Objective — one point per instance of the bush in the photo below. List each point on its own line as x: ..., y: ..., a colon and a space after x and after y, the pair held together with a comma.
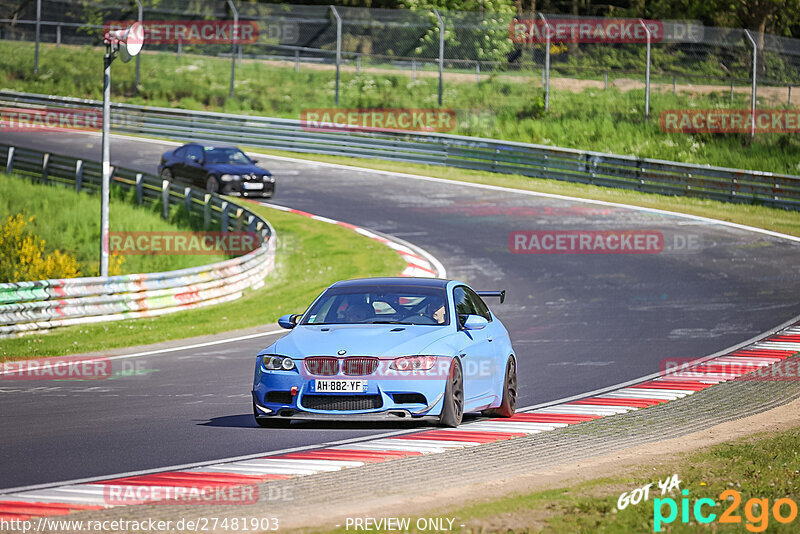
x: 22, y: 255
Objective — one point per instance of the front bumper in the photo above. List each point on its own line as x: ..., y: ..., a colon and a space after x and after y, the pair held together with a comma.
x: 238, y: 187
x: 399, y: 398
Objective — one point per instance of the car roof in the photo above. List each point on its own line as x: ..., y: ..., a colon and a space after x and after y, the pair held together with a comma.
x: 211, y: 145
x: 402, y: 281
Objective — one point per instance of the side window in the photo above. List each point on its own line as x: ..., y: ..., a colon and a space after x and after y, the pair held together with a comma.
x: 464, y: 304
x: 194, y: 153
x: 480, y: 306
x: 180, y: 153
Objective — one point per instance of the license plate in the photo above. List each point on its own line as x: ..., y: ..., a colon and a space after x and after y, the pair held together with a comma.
x: 340, y: 386
x: 253, y: 185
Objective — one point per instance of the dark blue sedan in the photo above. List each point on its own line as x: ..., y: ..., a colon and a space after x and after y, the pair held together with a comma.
x: 217, y: 169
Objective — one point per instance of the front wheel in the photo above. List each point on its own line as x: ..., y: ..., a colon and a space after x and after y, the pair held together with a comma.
x: 212, y: 185
x: 509, y: 404
x: 453, y: 409
x: 166, y: 174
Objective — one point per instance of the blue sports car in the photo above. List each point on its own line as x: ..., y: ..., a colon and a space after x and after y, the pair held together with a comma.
x: 387, y: 348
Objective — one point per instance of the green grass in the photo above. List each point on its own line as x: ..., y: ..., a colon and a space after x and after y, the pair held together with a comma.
x: 498, y: 106
x: 311, y: 256
x: 774, y: 219
x: 765, y: 466
x: 70, y: 222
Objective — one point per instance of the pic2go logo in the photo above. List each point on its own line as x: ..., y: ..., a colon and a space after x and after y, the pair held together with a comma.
x: 756, y: 511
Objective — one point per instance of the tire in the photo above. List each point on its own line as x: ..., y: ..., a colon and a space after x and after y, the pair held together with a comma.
x: 453, y: 409
x: 270, y: 422
x: 166, y: 174
x: 212, y: 184
x: 509, y: 404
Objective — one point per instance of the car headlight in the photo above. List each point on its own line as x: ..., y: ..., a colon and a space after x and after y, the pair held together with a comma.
x: 413, y: 363
x: 229, y: 177
x: 270, y: 362
x: 268, y: 178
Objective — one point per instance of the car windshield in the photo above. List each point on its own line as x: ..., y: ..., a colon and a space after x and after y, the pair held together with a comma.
x: 380, y: 305
x: 226, y: 155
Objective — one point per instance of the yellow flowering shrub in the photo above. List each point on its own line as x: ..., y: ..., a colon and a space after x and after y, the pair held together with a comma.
x: 23, y: 257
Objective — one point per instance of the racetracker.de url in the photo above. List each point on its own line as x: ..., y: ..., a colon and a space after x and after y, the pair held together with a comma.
x: 198, y: 524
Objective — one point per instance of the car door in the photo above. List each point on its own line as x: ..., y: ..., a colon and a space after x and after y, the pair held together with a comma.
x: 476, y: 351
x: 194, y: 172
x: 177, y: 163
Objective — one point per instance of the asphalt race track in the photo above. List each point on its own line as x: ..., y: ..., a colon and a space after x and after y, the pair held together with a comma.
x: 578, y: 321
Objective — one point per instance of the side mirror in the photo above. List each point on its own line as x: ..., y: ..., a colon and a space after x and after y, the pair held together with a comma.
x: 289, y: 321
x: 254, y: 161
x: 475, y: 322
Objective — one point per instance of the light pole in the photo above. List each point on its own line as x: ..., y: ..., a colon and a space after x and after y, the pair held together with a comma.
x: 126, y: 44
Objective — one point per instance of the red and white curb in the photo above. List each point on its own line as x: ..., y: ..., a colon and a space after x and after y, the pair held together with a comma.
x: 419, y: 262
x: 64, y: 499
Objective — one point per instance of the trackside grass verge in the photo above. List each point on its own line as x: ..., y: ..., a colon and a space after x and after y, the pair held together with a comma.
x: 777, y: 220
x: 311, y: 256
x: 762, y: 466
x: 70, y: 222
x: 592, y: 119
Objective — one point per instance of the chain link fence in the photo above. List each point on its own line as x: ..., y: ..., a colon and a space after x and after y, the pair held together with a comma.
x: 528, y: 58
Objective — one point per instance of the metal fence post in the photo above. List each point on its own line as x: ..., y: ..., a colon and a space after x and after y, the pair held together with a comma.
x: 478, y: 71
x: 10, y: 159
x: 338, y: 50
x: 45, y: 165
x: 546, y: 63
x: 187, y: 197
x: 790, y: 96
x: 413, y: 70
x: 605, y: 78
x: 138, y: 56
x: 233, y: 44
x: 755, y: 82
x: 441, y: 53
x: 58, y: 36
x: 358, y: 64
x: 297, y: 60
x: 78, y: 175
x: 38, y: 34
x: 674, y: 84
x: 225, y: 218
x: 647, y: 73
x: 180, y: 42
x: 206, y: 211
x: 165, y: 199
x: 139, y: 190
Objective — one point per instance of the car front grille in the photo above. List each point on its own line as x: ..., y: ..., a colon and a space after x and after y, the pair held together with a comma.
x: 357, y: 366
x: 322, y: 365
x: 342, y: 402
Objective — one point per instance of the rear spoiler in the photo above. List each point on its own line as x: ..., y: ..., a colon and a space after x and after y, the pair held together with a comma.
x: 499, y: 294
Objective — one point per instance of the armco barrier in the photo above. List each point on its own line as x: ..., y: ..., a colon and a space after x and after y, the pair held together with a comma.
x: 44, y: 304
x: 641, y: 174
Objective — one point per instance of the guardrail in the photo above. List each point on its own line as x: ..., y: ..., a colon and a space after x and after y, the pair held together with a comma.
x: 45, y: 304
x: 538, y: 161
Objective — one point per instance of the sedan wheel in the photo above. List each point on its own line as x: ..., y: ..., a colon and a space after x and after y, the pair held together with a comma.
x: 509, y: 404
x: 166, y: 174
x: 453, y: 409
x: 212, y: 185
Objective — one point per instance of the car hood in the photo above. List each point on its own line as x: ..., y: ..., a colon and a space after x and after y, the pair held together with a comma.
x: 229, y: 168
x: 358, y: 340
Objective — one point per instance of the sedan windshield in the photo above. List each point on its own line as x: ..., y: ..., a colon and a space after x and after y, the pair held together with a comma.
x: 380, y: 305
x: 226, y: 155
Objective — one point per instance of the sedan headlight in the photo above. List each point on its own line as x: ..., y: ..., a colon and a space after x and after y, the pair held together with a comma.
x: 230, y: 177
x: 413, y: 363
x: 270, y: 362
x: 268, y: 178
